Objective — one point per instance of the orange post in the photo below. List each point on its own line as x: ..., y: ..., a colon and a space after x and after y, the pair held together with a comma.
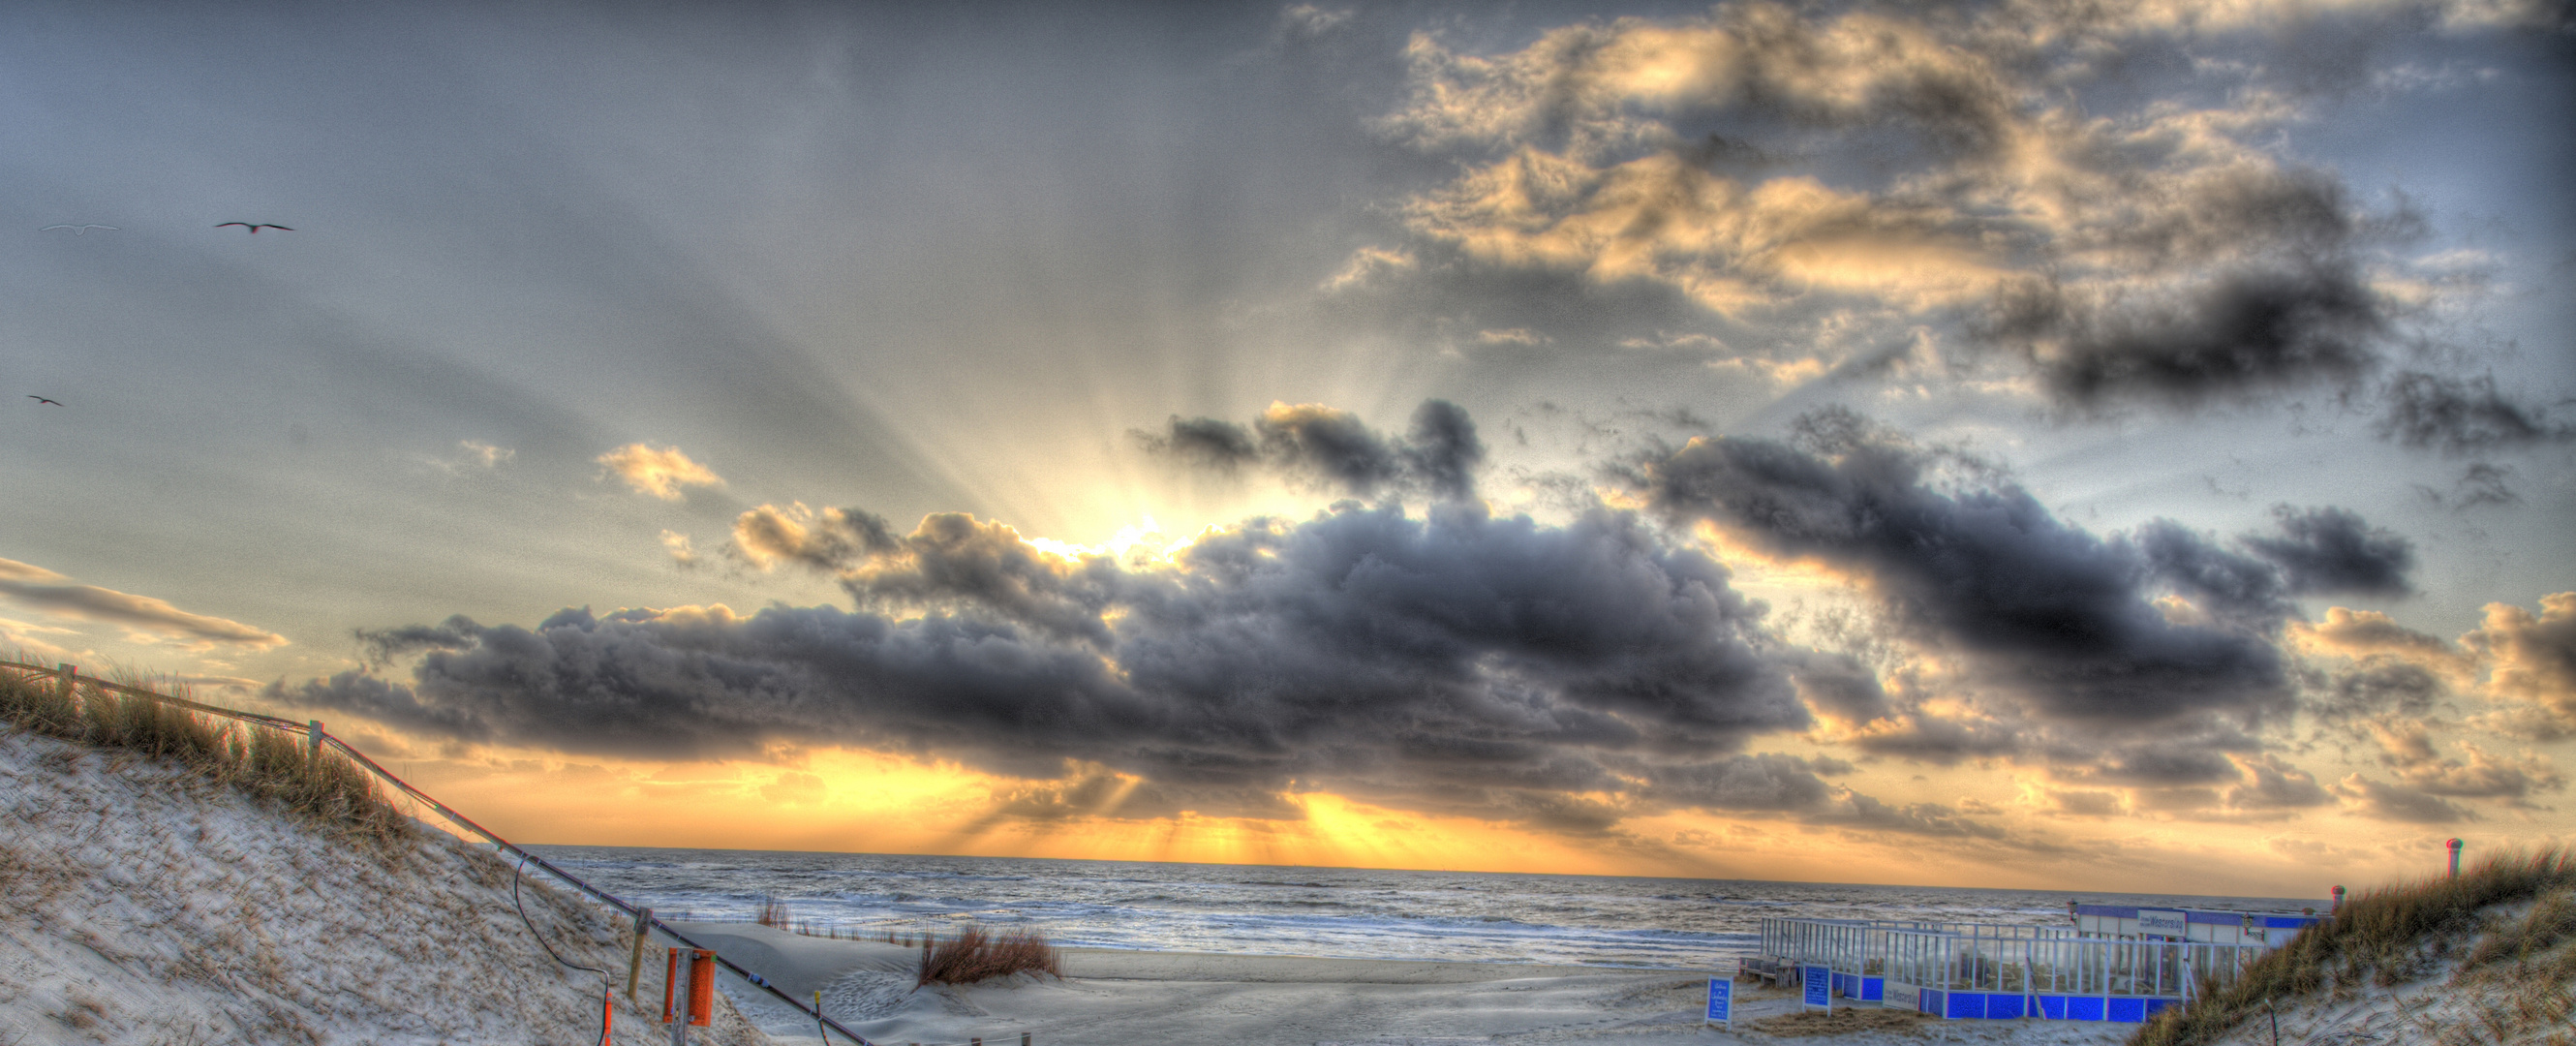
x: 607, y: 1012
x: 671, y: 989
x: 702, y: 988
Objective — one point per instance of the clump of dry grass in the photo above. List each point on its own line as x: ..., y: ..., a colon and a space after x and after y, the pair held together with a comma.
x: 2540, y: 937
x: 831, y: 931
x: 1842, y: 1021
x: 773, y: 912
x: 977, y: 954
x: 263, y: 760
x: 2394, y: 934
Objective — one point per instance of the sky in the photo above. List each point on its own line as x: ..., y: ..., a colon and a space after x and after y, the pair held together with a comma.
x: 2035, y: 444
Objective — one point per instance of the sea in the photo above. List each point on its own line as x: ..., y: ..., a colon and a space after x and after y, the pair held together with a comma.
x: 1360, y: 913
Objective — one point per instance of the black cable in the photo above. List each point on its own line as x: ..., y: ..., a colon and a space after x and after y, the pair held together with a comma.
x: 604, y: 976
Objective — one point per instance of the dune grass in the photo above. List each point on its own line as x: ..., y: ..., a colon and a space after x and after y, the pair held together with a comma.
x: 976, y: 954
x: 773, y: 912
x: 263, y: 760
x: 2398, y: 933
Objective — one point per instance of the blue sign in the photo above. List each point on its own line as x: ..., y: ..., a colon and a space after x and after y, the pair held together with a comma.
x: 1721, y: 999
x: 1819, y: 983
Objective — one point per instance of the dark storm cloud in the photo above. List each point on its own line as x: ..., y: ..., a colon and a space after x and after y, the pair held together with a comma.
x: 1976, y: 564
x: 2160, y: 765
x: 1111, y: 796
x: 2237, y: 588
x: 1334, y: 449
x: 2253, y: 332
x: 1205, y: 442
x: 383, y: 646
x: 2459, y: 416
x: 1946, y: 741
x: 1457, y: 661
x: 2407, y: 747
x: 2378, y: 687
x: 1443, y: 450
x: 1752, y: 782
x: 2395, y: 802
x: 1838, y: 685
x: 1931, y: 819
x: 2331, y: 550
x: 2270, y: 784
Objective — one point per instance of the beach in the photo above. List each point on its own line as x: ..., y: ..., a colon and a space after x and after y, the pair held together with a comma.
x: 1145, y: 998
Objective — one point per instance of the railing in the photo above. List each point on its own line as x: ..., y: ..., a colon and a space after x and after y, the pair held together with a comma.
x: 71, y: 680
x: 2065, y: 965
x: 1860, y: 946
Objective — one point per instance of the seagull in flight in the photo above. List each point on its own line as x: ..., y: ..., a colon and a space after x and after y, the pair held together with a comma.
x: 255, y: 228
x: 41, y: 401
x: 78, y: 230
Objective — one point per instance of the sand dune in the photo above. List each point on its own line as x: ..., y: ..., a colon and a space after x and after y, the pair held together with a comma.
x: 146, y: 904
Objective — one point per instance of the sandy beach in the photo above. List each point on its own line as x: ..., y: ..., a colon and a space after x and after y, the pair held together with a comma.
x: 1131, y: 998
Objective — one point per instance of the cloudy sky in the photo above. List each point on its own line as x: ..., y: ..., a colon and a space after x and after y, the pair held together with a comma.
x: 2032, y: 443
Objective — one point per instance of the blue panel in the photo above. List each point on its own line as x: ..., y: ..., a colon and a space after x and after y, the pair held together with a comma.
x: 2084, y: 1007
x: 2001, y: 1007
x: 1966, y: 1006
x: 2219, y: 918
x: 2110, y: 911
x: 2156, y: 1006
x: 2292, y: 922
x: 2127, y: 1011
x: 1931, y: 1001
x: 1873, y: 989
x: 2052, y: 1007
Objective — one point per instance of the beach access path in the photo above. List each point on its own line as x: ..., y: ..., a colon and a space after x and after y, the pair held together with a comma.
x: 1133, y: 998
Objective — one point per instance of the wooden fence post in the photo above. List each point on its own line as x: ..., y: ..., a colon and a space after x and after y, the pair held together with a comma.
x: 313, y: 740
x: 68, y: 673
x: 635, y: 958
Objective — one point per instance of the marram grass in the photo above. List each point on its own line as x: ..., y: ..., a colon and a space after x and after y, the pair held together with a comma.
x: 262, y: 760
x: 2394, y: 934
x: 976, y: 954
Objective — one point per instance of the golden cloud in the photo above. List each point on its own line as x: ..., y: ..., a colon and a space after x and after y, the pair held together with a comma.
x: 2523, y: 661
x: 658, y: 471
x: 2532, y: 664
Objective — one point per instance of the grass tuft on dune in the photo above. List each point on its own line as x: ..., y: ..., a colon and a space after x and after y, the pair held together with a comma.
x: 262, y: 760
x: 977, y: 954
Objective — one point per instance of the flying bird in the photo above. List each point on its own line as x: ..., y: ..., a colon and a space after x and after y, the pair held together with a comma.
x: 254, y: 229
x: 78, y: 230
x: 41, y: 401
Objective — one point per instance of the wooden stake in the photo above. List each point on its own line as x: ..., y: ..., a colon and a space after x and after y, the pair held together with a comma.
x: 635, y: 956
